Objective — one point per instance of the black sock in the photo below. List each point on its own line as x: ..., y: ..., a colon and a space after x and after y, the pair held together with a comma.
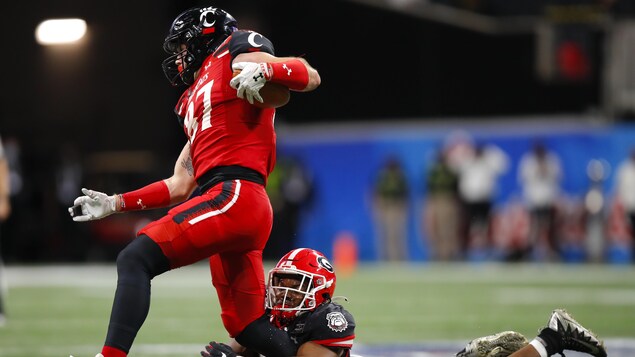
x: 552, y: 341
x: 137, y: 264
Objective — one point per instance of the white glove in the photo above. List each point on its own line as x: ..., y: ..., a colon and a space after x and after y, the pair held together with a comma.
x: 94, y: 205
x: 250, y: 80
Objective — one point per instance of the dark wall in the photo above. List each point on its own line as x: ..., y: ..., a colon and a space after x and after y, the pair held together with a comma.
x: 378, y: 64
x: 374, y: 64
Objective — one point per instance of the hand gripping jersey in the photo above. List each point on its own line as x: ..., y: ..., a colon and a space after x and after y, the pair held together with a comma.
x: 329, y: 325
x: 223, y: 129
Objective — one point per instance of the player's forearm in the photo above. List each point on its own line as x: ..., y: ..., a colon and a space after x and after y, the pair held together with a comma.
x: 164, y: 193
x: 154, y: 195
x: 314, y: 77
x: 307, y: 75
x: 294, y: 72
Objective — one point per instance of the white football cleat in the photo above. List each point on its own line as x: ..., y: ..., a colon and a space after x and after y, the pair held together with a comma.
x: 574, y: 336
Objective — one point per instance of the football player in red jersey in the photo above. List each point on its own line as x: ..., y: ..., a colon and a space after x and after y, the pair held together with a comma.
x: 300, y: 302
x: 229, y: 153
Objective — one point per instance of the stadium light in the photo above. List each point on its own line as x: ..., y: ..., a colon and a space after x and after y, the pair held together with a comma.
x: 60, y: 31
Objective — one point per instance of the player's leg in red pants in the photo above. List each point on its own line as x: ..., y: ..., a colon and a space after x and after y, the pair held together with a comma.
x: 232, y: 221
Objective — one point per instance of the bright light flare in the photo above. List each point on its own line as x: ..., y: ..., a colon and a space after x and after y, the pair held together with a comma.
x: 60, y: 31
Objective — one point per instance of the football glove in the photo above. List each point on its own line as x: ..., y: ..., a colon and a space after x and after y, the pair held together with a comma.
x: 215, y: 349
x: 250, y: 80
x: 94, y: 205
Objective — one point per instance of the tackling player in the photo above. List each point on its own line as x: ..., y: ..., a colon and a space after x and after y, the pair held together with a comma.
x: 229, y: 153
x: 300, y: 302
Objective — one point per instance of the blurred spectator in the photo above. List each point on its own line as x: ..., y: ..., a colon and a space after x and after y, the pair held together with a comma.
x: 68, y: 181
x: 571, y: 222
x: 5, y: 201
x: 391, y: 210
x: 458, y: 148
x: 595, y: 211
x: 510, y: 228
x: 18, y: 232
x: 5, y: 211
x: 539, y: 174
x: 618, y: 231
x: 625, y: 192
x: 442, y: 212
x: 478, y: 184
x: 290, y: 190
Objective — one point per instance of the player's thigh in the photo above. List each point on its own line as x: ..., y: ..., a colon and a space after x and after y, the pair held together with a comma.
x: 231, y: 217
x: 243, y: 270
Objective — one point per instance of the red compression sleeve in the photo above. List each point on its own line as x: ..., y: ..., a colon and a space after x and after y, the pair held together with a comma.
x: 292, y: 74
x: 154, y: 195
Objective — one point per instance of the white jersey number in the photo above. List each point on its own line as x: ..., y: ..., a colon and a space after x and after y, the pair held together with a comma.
x: 190, y: 121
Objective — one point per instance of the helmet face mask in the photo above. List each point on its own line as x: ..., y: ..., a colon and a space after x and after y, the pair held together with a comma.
x: 297, y: 296
x: 301, y: 281
x: 194, y: 35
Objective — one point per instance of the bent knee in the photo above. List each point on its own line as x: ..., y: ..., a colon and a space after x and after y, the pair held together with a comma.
x: 142, y: 255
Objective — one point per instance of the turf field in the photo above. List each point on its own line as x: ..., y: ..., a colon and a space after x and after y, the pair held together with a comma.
x: 401, y: 310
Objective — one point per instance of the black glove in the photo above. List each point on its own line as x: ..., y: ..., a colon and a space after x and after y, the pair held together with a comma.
x: 215, y: 349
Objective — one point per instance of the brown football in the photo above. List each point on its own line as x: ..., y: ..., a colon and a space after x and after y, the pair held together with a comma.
x: 273, y: 95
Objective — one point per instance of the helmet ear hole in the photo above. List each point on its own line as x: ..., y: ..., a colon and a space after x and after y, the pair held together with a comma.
x: 326, y: 296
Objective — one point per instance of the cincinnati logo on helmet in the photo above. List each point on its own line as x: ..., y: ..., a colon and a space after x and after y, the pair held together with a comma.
x: 336, y: 321
x: 206, y: 15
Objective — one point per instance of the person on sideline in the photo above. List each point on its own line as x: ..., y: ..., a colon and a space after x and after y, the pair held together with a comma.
x: 5, y: 211
x: 390, y: 203
x: 540, y: 174
x: 625, y: 189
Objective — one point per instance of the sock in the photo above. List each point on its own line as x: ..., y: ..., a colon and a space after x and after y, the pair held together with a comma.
x: 551, y: 340
x: 108, y: 351
x: 539, y: 347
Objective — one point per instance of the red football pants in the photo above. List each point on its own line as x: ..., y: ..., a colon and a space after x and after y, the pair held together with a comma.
x: 230, y: 224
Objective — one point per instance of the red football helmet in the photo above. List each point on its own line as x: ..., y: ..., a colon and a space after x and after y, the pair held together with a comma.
x: 301, y: 281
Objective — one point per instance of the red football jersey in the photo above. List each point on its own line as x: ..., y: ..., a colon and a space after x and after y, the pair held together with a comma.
x: 223, y: 129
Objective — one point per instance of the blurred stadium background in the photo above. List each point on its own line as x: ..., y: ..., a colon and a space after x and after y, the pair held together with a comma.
x: 400, y: 77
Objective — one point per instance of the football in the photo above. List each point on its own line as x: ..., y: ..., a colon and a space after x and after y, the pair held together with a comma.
x: 273, y: 95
